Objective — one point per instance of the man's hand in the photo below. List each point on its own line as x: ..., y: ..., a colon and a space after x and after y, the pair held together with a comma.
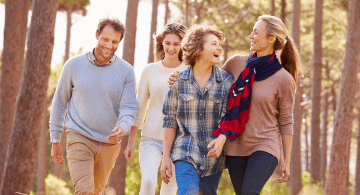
x: 172, y: 78
x: 285, y: 172
x: 116, y: 136
x: 129, y: 151
x: 218, y: 144
x: 56, y: 154
x: 166, y: 172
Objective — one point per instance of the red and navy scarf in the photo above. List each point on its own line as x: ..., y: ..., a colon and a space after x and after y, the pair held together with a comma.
x: 233, y: 123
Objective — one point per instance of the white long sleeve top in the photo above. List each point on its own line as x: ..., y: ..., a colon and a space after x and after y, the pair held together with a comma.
x: 152, y: 89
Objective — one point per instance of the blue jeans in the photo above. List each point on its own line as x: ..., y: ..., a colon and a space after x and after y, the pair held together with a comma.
x: 249, y: 174
x: 190, y: 183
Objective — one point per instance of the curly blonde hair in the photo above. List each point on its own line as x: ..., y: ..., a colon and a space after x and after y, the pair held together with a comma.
x: 171, y: 28
x: 193, y: 43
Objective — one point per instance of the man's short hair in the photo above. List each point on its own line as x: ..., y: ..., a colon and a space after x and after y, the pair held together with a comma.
x: 117, y: 25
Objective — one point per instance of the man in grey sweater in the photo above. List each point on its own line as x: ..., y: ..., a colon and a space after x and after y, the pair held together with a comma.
x: 96, y: 93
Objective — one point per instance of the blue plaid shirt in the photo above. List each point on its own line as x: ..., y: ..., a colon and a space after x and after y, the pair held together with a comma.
x: 196, y: 113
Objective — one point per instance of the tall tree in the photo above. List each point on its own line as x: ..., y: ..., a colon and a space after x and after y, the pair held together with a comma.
x: 16, y: 17
x: 326, y: 103
x: 198, y: 7
x: 22, y: 152
x: 273, y: 7
x: 295, y: 177
x: 155, y: 4
x: 283, y: 11
x: 118, y: 175
x: 316, y: 90
x: 357, y: 174
x: 41, y: 170
x: 167, y: 12
x: 339, y: 157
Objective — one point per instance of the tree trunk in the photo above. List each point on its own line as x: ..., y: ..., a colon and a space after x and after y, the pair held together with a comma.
x: 307, y: 166
x: 316, y: 90
x: 273, y: 7
x: 198, y: 7
x: 68, y: 30
x: 283, y: 11
x: 357, y: 174
x: 339, y: 158
x: 167, y: 12
x: 323, y: 157
x: 41, y: 171
x: 295, y: 177
x: 118, y: 175
x: 187, y: 13
x: 226, y: 50
x: 16, y: 17
x: 155, y: 4
x: 22, y: 152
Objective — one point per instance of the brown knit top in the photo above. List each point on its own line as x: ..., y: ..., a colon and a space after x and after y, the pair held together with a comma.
x: 271, y: 112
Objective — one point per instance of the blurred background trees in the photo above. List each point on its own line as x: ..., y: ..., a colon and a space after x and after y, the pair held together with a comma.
x: 326, y: 114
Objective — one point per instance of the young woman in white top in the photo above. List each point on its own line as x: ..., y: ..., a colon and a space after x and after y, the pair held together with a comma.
x: 151, y: 92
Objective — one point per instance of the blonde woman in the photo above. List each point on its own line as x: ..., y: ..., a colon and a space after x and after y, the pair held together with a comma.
x: 151, y: 92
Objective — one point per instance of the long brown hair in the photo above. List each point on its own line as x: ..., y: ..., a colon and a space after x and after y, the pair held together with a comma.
x: 171, y: 28
x: 289, y: 56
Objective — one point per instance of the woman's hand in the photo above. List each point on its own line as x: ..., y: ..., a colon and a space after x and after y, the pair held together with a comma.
x: 129, y: 151
x: 218, y: 144
x: 285, y: 172
x: 172, y: 78
x: 166, y: 172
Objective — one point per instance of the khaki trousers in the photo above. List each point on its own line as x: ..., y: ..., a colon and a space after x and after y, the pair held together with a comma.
x: 90, y: 163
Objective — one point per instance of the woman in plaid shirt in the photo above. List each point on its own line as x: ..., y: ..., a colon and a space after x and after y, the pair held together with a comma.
x: 192, y: 110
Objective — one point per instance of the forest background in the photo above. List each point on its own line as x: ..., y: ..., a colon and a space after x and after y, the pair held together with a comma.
x: 326, y: 114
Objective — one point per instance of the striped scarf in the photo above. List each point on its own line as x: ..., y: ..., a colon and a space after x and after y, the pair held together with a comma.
x: 237, y: 113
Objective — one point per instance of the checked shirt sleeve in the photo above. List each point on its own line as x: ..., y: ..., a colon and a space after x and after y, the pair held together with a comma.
x: 170, y: 106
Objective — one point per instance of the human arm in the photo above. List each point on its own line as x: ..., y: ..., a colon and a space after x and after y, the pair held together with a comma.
x: 286, y: 95
x: 285, y: 166
x: 235, y: 65
x: 60, y: 102
x: 170, y: 125
x: 169, y: 137
x: 128, y: 103
x: 130, y: 147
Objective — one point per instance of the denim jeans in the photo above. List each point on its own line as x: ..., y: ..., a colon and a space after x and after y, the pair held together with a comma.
x: 249, y: 174
x: 190, y: 183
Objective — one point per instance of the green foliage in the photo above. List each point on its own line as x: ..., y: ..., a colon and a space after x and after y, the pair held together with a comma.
x: 74, y: 6
x: 56, y: 186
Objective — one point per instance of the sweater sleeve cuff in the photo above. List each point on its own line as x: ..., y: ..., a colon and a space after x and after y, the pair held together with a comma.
x: 125, y: 128
x: 55, y: 136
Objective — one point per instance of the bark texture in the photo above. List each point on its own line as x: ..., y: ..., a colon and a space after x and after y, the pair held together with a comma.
x: 316, y: 90
x: 283, y: 11
x: 118, y: 175
x: 16, y: 17
x: 295, y: 168
x: 339, y: 158
x: 21, y: 157
x: 324, y: 148
x: 41, y: 170
x: 357, y: 173
x: 155, y: 4
x: 167, y: 12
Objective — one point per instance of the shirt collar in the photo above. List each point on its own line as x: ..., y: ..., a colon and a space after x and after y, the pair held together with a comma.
x: 188, y: 74
x: 92, y: 59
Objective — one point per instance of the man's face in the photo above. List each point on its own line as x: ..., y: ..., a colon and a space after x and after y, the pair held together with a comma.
x: 108, y: 42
